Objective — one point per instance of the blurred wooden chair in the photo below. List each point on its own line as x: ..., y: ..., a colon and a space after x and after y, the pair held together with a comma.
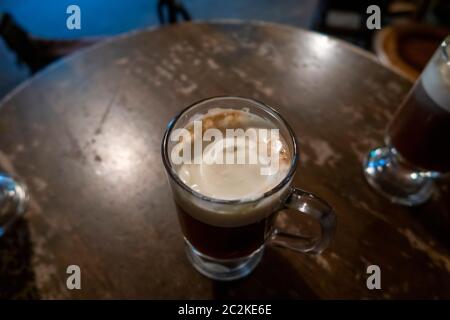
x: 391, y: 10
x: 35, y: 52
x: 349, y: 21
x: 407, y: 44
x: 407, y: 47
x: 170, y: 10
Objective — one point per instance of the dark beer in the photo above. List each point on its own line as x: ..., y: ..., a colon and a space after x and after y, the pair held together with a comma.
x: 225, y: 242
x: 420, y: 130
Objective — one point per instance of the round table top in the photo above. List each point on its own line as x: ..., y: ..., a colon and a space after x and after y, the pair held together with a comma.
x: 85, y: 135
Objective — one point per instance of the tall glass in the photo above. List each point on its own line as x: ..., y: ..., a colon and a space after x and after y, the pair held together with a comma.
x: 417, y: 139
x: 225, y: 249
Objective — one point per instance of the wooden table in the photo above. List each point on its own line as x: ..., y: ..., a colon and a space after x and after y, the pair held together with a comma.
x: 85, y: 135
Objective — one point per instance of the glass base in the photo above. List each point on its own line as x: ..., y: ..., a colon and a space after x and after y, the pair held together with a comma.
x: 223, y: 270
x: 13, y: 201
x: 396, y: 181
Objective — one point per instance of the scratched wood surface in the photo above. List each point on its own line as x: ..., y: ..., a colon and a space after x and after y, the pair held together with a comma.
x: 85, y: 135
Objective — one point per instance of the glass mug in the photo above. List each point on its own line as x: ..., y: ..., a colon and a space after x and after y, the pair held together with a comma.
x: 13, y: 201
x: 220, y: 249
x: 417, y: 139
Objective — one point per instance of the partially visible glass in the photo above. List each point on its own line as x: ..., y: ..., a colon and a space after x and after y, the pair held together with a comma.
x: 221, y: 249
x: 13, y: 201
x: 418, y: 138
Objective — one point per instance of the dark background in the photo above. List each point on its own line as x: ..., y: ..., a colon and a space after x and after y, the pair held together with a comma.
x: 47, y: 19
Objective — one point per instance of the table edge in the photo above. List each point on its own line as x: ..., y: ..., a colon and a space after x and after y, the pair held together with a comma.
x: 21, y: 86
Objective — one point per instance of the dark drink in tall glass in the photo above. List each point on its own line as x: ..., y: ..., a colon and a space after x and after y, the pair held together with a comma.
x: 420, y: 131
x: 418, y: 138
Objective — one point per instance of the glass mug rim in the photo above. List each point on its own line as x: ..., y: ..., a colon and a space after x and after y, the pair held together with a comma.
x: 173, y: 174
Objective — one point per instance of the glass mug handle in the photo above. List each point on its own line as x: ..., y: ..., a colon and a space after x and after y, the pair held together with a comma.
x: 308, y: 204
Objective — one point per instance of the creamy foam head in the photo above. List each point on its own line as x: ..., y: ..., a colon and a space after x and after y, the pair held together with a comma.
x: 237, y: 181
x: 230, y: 181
